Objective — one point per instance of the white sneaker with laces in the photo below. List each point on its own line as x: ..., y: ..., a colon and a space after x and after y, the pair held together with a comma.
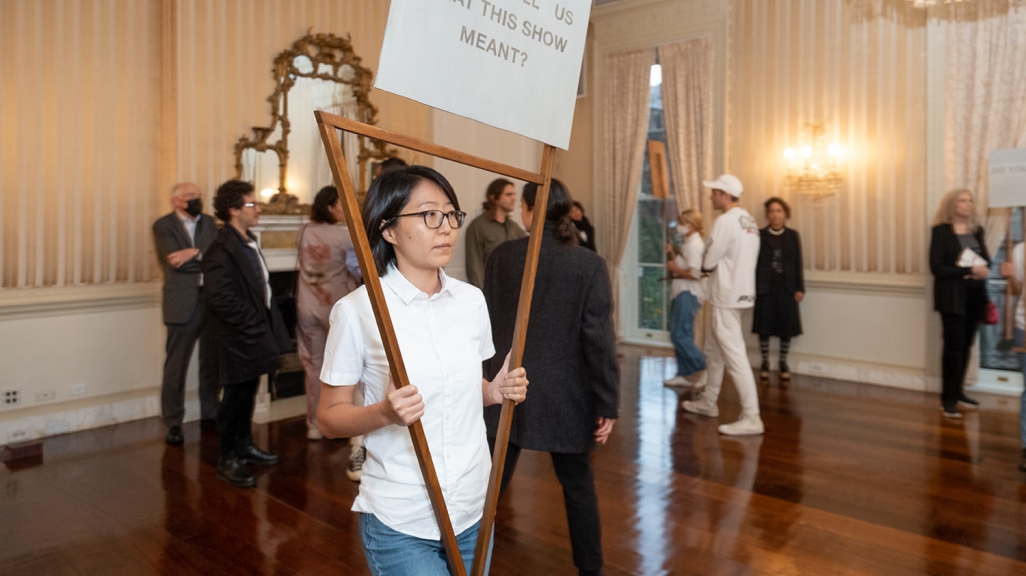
x: 356, y: 460
x: 677, y: 381
x: 701, y: 406
x: 746, y: 426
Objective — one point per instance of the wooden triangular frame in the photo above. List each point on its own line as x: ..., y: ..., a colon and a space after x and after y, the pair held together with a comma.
x: 328, y: 124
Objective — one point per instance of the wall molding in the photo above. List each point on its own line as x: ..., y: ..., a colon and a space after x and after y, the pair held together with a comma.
x: 57, y: 301
x: 866, y: 282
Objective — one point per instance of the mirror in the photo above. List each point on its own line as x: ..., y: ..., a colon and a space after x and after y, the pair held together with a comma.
x: 285, y: 161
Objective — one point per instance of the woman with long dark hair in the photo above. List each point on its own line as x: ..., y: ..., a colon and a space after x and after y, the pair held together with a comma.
x: 412, y: 217
x: 327, y: 270
x: 959, y: 292
x: 571, y: 354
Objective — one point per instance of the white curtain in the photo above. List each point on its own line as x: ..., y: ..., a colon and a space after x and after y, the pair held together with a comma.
x: 985, y: 82
x: 626, y: 123
x: 688, y: 113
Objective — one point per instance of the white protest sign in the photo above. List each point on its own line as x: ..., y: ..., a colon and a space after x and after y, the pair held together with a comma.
x: 512, y: 64
x: 1007, y: 178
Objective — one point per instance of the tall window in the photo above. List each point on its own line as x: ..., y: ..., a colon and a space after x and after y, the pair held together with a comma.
x: 654, y: 221
x: 992, y: 355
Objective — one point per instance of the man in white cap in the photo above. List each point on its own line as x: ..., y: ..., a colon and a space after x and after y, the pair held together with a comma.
x: 730, y: 256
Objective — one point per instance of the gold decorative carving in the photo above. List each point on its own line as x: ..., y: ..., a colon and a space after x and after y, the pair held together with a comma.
x: 324, y: 51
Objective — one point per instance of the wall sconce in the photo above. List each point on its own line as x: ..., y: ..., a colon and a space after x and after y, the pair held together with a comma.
x: 814, y: 168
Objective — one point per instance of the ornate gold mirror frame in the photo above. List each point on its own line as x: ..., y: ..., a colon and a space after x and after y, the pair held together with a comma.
x: 333, y: 59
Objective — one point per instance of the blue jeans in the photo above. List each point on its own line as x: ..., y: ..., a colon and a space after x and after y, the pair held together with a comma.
x: 682, y: 333
x: 392, y: 553
x: 1020, y: 337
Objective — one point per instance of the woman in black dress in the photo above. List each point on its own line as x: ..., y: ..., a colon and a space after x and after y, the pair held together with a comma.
x: 959, y: 292
x: 779, y: 286
x: 585, y: 231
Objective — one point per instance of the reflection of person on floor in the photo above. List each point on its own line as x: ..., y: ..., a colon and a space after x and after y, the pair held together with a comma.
x: 572, y: 349
x: 780, y: 286
x: 441, y: 325
x: 730, y: 255
x: 687, y: 294
x: 1013, y: 272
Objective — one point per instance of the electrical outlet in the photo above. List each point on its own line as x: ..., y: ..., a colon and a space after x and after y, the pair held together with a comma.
x: 11, y: 398
x: 46, y: 395
x: 78, y: 389
x: 17, y: 436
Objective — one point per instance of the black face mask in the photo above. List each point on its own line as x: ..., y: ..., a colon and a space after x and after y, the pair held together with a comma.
x: 194, y: 207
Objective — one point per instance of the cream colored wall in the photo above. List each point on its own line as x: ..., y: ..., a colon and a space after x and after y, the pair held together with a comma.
x: 104, y: 105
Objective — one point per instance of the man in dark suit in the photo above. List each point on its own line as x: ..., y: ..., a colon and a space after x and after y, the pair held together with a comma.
x: 182, y: 237
x: 248, y: 327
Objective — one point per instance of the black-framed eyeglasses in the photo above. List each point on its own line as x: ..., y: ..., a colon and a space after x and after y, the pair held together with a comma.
x: 433, y: 218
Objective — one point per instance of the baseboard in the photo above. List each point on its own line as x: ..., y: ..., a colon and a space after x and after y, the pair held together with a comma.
x: 856, y: 371
x: 33, y: 424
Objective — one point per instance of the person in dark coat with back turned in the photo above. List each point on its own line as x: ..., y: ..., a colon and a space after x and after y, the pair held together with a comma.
x: 250, y: 331
x: 571, y: 348
x: 779, y: 286
x: 959, y: 292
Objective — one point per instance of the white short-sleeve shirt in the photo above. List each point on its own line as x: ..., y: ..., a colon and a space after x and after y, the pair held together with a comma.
x: 443, y: 339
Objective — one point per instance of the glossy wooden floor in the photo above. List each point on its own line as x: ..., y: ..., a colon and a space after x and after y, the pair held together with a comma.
x: 849, y: 479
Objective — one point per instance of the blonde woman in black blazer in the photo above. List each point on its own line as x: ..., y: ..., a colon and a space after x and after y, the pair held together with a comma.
x: 959, y: 293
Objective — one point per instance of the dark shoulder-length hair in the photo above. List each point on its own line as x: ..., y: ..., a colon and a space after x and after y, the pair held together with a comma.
x: 557, y: 211
x: 388, y: 195
x: 325, y: 199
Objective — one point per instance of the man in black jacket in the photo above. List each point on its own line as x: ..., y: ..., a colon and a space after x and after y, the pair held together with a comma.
x: 182, y: 237
x: 250, y: 331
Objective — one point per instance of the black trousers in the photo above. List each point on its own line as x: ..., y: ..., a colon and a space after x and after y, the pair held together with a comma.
x: 959, y: 332
x: 181, y: 338
x: 235, y: 417
x: 582, y: 515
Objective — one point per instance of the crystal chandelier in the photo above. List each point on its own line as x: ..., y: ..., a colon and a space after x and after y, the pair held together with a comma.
x: 814, y: 168
x: 928, y: 3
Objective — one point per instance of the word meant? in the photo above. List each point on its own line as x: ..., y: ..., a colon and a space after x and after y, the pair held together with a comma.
x: 491, y: 11
x: 500, y: 49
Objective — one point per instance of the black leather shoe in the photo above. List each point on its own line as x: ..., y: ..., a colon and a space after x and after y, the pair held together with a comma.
x: 174, y: 436
x: 233, y: 472
x: 253, y: 455
x: 967, y: 402
x: 1022, y: 462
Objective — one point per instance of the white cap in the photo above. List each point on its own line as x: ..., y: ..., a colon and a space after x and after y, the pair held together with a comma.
x: 726, y: 182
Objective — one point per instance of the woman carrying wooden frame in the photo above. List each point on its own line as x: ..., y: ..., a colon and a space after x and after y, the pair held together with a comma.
x: 413, y: 214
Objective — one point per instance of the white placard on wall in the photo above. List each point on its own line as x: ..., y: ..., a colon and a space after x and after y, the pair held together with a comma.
x: 512, y: 64
x: 1006, y: 180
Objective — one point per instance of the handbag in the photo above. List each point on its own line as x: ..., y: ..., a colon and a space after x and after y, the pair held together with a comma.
x: 990, y: 313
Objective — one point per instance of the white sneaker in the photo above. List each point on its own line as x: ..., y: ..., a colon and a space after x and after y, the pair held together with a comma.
x: 746, y: 426
x: 356, y: 460
x: 312, y: 433
x: 701, y: 406
x: 677, y: 381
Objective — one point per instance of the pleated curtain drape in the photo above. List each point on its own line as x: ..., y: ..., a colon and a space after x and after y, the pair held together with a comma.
x: 626, y: 123
x: 688, y: 114
x: 985, y: 81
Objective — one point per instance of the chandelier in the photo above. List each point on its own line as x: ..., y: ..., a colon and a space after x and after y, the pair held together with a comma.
x: 929, y: 3
x: 814, y: 168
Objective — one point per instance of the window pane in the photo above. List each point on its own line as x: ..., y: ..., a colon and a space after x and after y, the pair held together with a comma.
x: 990, y: 356
x: 651, y: 298
x: 651, y: 232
